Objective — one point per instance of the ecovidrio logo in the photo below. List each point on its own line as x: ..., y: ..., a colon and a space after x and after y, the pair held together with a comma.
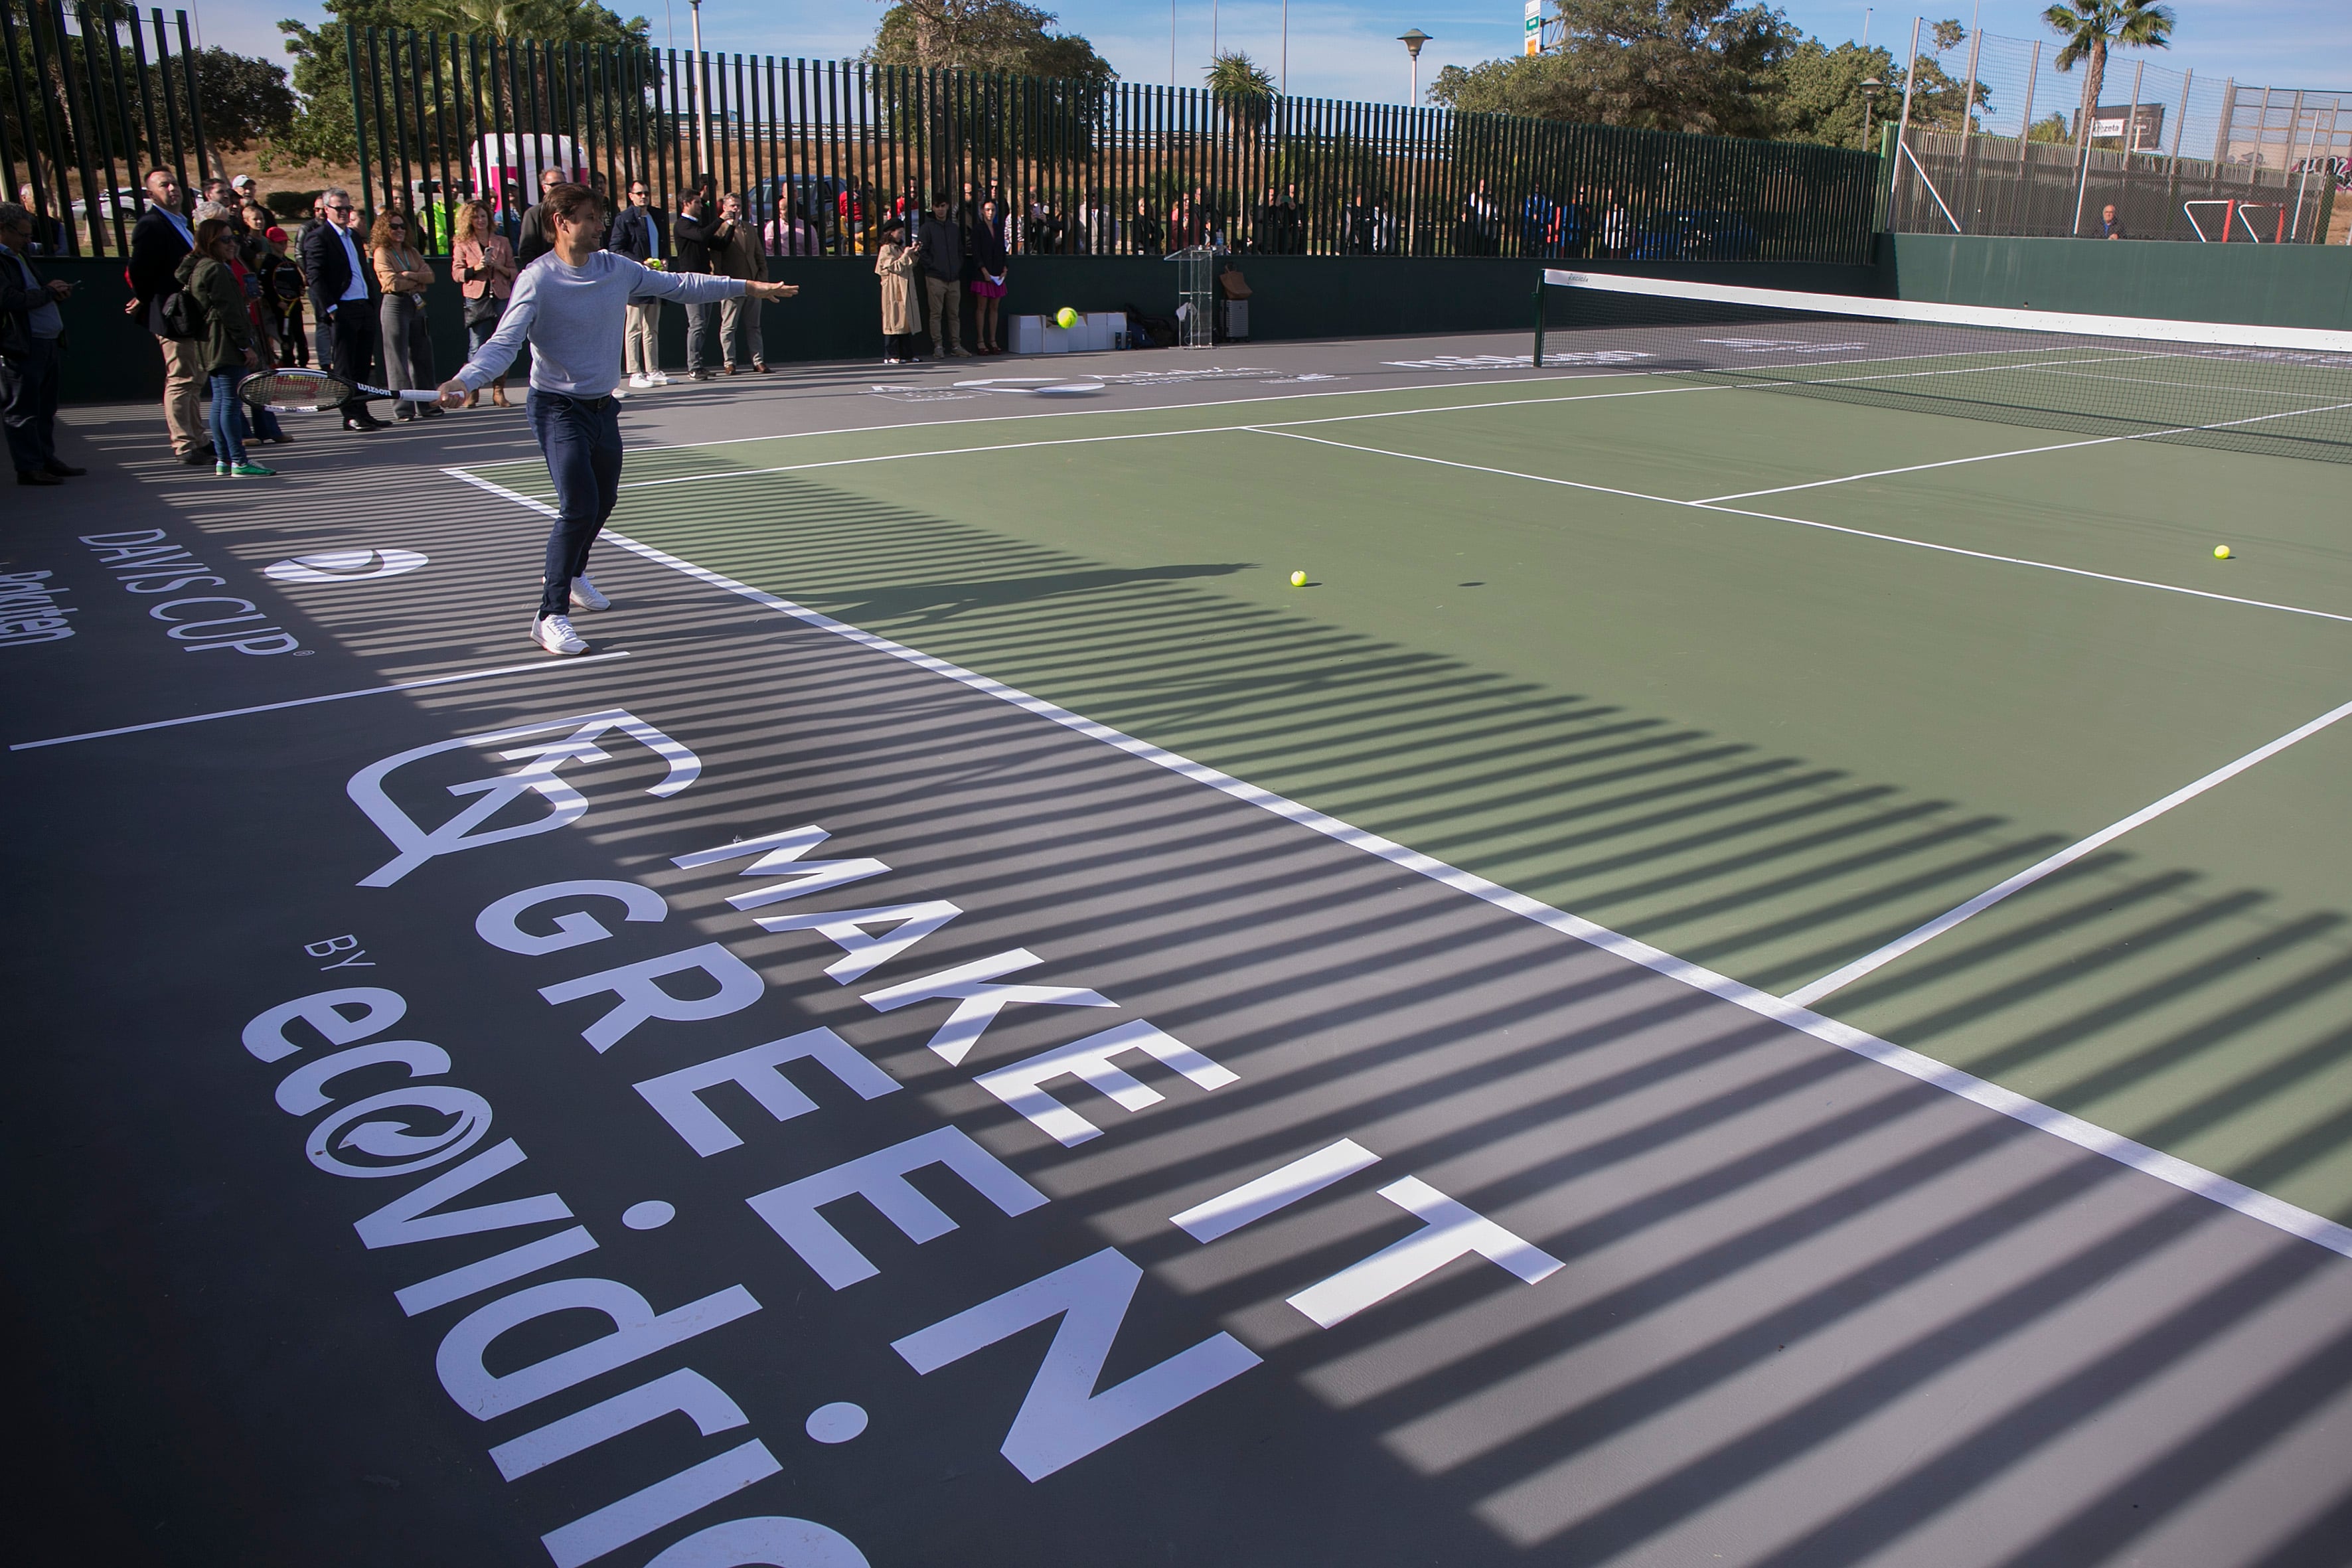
x: 344, y: 566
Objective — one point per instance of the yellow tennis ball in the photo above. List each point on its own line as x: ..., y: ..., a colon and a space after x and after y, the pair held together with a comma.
x: 1298, y: 579
x: 2220, y: 553
x: 1065, y: 317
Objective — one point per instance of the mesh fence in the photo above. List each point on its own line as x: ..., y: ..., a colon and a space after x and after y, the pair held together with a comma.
x: 2179, y: 154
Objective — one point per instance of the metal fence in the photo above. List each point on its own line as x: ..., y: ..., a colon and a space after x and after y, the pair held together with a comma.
x: 827, y: 147
x: 85, y: 101
x: 2180, y: 155
x: 1954, y: 183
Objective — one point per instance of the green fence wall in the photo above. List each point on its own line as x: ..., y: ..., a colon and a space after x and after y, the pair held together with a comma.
x: 2267, y: 285
x: 838, y: 314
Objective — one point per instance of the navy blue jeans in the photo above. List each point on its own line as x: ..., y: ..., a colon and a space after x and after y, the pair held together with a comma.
x: 581, y: 438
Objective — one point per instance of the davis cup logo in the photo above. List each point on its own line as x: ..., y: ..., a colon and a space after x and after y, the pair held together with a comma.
x: 344, y: 566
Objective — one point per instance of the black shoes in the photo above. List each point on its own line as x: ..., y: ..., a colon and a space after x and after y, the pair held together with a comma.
x: 62, y: 470
x: 202, y: 457
x: 35, y: 477
x: 362, y: 422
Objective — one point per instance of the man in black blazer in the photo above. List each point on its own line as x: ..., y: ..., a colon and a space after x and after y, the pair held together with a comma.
x: 342, y: 296
x: 162, y: 237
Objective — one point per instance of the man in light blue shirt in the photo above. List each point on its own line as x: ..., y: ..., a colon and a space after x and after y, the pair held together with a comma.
x: 570, y: 305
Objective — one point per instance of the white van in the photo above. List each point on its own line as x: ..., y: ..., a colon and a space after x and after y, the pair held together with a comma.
x: 501, y: 161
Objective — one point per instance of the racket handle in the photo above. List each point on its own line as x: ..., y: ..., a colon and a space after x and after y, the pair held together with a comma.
x: 416, y: 396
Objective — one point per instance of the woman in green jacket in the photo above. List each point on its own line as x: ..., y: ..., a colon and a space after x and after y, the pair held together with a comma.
x: 228, y: 350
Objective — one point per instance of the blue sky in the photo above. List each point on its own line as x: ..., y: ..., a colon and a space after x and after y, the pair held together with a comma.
x: 1350, y: 50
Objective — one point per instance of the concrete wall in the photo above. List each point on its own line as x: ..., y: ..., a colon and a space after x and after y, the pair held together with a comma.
x: 838, y: 313
x: 2268, y: 285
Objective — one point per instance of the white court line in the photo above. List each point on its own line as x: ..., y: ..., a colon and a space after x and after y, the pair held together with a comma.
x: 540, y: 668
x: 1343, y: 418
x: 2220, y: 1189
x: 1570, y: 373
x: 1838, y: 979
x: 1149, y: 434
x: 1823, y: 527
x: 2029, y: 451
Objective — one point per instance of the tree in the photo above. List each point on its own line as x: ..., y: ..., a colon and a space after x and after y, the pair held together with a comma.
x: 2091, y: 27
x: 2051, y: 128
x: 322, y: 132
x: 245, y: 100
x: 988, y: 36
x: 1243, y: 89
x: 1665, y: 65
x: 1820, y: 98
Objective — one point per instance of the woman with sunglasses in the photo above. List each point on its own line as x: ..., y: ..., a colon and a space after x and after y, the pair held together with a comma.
x: 407, y: 347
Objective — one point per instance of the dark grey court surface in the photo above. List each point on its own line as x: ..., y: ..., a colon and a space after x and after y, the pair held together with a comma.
x: 412, y: 1161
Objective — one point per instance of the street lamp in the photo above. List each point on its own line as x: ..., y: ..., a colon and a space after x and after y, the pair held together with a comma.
x: 701, y: 109
x: 1871, y: 88
x: 1412, y: 42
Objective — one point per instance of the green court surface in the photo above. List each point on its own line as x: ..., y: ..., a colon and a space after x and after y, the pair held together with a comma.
x: 1765, y: 747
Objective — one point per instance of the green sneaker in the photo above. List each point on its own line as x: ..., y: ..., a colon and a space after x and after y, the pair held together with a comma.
x: 251, y: 471
x: 220, y: 471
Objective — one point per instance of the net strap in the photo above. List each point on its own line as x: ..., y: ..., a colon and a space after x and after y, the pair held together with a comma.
x: 2218, y: 334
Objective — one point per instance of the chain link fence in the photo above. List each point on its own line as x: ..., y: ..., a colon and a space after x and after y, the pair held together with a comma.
x: 2177, y: 154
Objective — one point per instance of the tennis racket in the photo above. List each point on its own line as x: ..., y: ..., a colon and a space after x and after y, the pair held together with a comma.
x: 309, y: 391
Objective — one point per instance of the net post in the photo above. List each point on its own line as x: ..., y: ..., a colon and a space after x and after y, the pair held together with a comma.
x: 1541, y: 285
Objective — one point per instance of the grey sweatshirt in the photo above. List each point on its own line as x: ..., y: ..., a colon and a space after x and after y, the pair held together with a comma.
x: 572, y: 317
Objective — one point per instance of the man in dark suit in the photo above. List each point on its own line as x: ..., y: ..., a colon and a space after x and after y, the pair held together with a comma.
x: 691, y: 238
x: 342, y: 296
x: 31, y: 333
x: 536, y: 235
x: 162, y: 237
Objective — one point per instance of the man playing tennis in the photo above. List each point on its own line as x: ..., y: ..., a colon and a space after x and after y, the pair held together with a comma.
x: 570, y: 305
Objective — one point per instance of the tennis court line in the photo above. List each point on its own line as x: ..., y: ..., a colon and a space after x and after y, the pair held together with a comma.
x: 1568, y: 375
x: 1273, y: 423
x: 1838, y: 979
x: 2030, y: 451
x: 1823, y: 527
x: 1911, y: 468
x: 540, y: 666
x: 1136, y: 434
x: 2254, y: 1205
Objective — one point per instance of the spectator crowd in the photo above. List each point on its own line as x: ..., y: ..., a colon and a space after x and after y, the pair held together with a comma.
x: 227, y: 293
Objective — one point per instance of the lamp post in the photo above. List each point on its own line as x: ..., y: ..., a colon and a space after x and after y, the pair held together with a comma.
x: 1412, y: 42
x: 1871, y: 86
x: 701, y: 109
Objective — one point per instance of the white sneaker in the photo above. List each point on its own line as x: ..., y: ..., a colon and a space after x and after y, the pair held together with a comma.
x: 656, y: 378
x: 641, y: 381
x: 554, y: 633
x: 584, y: 595
x: 619, y: 392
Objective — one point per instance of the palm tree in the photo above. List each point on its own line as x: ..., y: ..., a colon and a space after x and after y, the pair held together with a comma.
x: 1243, y: 89
x: 2093, y: 26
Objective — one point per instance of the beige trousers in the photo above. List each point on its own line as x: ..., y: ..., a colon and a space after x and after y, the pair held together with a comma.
x: 181, y: 377
x: 641, y: 342
x: 945, y: 297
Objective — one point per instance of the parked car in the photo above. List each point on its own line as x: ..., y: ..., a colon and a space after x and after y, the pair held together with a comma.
x: 832, y: 205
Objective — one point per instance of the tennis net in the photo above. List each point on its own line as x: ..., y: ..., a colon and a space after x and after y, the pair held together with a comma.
x: 2281, y: 391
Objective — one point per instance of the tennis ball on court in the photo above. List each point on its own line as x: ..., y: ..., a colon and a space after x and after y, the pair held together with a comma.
x: 1065, y: 317
x: 2220, y: 553
x: 1298, y: 579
